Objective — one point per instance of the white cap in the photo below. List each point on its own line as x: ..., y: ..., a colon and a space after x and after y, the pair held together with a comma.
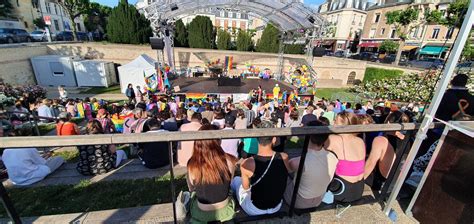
x: 276, y: 84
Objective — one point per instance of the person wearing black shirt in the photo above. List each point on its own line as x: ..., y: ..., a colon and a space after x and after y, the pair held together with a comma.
x: 153, y: 154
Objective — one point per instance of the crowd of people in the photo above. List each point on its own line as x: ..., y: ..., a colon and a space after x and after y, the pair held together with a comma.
x: 337, y: 165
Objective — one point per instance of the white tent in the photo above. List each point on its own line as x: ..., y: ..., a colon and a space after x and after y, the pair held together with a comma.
x: 134, y: 70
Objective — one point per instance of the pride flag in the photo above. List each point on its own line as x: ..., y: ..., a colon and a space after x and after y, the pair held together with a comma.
x: 228, y: 62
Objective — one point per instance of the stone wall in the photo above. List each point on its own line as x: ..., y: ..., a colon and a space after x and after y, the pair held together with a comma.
x: 15, y: 65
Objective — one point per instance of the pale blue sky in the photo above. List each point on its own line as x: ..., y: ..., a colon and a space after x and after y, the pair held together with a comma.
x: 113, y: 3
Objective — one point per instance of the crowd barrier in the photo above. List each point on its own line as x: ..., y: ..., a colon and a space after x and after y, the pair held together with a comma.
x: 170, y: 137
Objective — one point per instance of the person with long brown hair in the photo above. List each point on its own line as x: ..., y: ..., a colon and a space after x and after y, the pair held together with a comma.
x: 210, y: 171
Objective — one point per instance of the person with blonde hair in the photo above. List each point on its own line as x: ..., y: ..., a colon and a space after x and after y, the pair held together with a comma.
x: 348, y: 183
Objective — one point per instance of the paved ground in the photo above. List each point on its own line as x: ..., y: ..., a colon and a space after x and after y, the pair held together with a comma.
x: 367, y: 213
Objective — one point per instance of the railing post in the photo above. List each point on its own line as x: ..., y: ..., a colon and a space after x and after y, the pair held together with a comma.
x: 8, y: 205
x: 173, y: 193
x: 298, y: 175
x: 401, y: 149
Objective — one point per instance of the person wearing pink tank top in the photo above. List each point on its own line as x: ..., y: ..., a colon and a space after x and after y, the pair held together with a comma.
x: 348, y: 183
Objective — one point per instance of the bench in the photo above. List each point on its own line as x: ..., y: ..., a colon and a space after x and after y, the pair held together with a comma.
x: 131, y: 169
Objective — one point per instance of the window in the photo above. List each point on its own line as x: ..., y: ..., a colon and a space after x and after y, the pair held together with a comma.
x: 353, y: 19
x: 26, y: 24
x: 377, y: 18
x: 78, y: 25
x: 393, y: 33
x: 415, y: 33
x: 372, y: 33
x: 238, y: 15
x: 382, y: 31
x: 435, y: 33
x: 449, y: 33
x: 18, y: 3
x: 56, y: 25
x: 48, y: 7
x: 55, y: 9
x: 339, y: 46
x: 230, y: 14
x: 56, y: 68
x: 221, y: 13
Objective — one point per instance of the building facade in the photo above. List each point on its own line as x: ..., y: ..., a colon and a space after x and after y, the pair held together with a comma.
x: 26, y: 11
x: 423, y: 40
x: 346, y: 20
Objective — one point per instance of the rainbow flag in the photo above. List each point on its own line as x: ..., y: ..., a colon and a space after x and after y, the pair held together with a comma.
x: 228, y: 62
x: 196, y: 95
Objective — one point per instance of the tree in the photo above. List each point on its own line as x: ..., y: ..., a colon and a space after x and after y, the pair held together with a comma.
x: 468, y: 50
x: 389, y: 46
x: 269, y: 42
x: 126, y: 25
x: 39, y: 22
x: 181, y: 35
x: 6, y: 8
x: 96, y: 17
x: 294, y: 48
x: 223, y: 40
x: 456, y: 12
x: 201, y: 33
x: 74, y: 9
x: 244, y: 41
x: 404, y: 21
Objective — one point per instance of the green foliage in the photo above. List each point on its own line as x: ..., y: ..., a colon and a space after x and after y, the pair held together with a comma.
x: 74, y: 8
x: 201, y: 33
x: 468, y: 50
x: 126, y: 25
x: 96, y: 17
x: 456, y: 12
x: 39, y: 22
x: 402, y: 19
x: 294, y: 48
x: 244, y: 41
x: 181, y: 35
x: 407, y: 88
x: 269, y: 42
x: 6, y: 8
x: 433, y: 17
x: 372, y: 74
x: 389, y: 46
x: 223, y: 40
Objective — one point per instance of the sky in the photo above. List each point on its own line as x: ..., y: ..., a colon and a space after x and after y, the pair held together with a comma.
x: 113, y: 3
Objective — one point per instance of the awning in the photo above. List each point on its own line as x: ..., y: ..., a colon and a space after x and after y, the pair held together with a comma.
x: 433, y: 50
x: 409, y: 48
x: 328, y: 42
x: 369, y: 44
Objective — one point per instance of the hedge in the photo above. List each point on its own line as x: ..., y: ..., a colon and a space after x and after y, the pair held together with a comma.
x: 380, y: 73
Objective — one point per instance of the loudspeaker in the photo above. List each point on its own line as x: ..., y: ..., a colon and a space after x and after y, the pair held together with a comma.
x: 311, y: 19
x: 318, y: 51
x: 174, y: 6
x: 157, y: 43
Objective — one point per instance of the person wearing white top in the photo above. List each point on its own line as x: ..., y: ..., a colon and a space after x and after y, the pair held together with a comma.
x: 230, y: 146
x: 26, y: 166
x: 318, y: 172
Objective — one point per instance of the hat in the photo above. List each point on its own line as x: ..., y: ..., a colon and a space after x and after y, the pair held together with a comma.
x: 230, y: 120
x: 276, y: 84
x: 64, y: 115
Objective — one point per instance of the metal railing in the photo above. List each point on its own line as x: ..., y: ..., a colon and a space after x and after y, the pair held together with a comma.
x: 170, y: 137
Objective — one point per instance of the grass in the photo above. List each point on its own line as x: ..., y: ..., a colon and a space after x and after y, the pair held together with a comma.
x: 87, y: 196
x: 380, y: 73
x: 343, y: 94
x: 71, y: 156
x: 99, y: 90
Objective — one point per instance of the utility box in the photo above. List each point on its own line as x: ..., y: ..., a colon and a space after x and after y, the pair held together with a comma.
x: 54, y: 70
x: 95, y: 73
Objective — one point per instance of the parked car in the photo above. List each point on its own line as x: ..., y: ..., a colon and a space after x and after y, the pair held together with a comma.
x: 426, y: 63
x: 465, y: 67
x: 68, y: 36
x: 388, y: 59
x: 9, y: 35
x: 41, y: 35
x: 339, y: 54
x: 366, y: 56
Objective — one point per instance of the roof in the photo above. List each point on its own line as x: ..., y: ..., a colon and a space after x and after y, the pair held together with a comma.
x: 209, y: 85
x: 284, y: 14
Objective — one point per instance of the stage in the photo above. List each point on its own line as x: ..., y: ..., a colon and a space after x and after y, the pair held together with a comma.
x: 209, y: 85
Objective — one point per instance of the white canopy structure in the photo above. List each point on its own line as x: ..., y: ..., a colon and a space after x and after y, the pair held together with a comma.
x: 286, y: 15
x: 134, y: 72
